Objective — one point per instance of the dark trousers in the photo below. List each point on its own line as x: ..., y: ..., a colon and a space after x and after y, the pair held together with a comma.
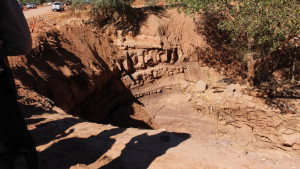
x: 17, y: 150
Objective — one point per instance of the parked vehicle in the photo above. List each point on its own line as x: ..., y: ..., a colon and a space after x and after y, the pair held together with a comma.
x: 58, y: 6
x: 31, y: 5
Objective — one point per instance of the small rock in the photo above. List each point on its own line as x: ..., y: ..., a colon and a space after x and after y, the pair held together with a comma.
x: 155, y: 74
x: 181, y: 70
x: 189, y: 97
x: 230, y: 90
x: 159, y: 90
x: 201, y: 86
x: 290, y: 140
x: 184, y: 86
x: 292, y: 110
x: 296, y: 146
x: 218, y: 91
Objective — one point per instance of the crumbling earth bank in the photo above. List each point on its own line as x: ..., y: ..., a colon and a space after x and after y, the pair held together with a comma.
x: 151, y: 80
x: 69, y: 65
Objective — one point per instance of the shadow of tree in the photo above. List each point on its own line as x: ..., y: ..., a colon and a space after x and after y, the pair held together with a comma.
x: 138, y: 17
x: 72, y: 151
x: 142, y: 150
x: 220, y: 54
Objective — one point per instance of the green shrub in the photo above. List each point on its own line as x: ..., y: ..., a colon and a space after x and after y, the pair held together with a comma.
x: 103, y: 10
x: 262, y: 28
x: 260, y: 25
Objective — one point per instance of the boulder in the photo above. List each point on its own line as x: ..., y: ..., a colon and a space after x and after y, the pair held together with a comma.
x: 201, y: 86
x: 292, y: 140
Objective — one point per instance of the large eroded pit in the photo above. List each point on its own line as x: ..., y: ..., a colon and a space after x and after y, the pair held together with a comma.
x: 153, y: 80
x: 101, y: 76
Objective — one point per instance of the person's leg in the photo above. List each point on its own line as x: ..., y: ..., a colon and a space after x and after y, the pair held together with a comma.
x: 16, y: 145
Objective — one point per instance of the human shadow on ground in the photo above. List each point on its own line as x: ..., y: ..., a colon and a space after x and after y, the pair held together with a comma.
x: 72, y: 151
x: 142, y: 150
x: 46, y: 132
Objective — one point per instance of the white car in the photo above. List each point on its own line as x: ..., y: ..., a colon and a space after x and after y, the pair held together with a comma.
x: 31, y: 5
x: 58, y: 6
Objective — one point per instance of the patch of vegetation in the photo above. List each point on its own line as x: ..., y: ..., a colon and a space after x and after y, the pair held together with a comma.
x: 110, y: 9
x: 118, y: 13
x: 263, y: 32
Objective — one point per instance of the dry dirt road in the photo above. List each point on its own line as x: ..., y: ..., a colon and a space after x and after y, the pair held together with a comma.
x: 39, y: 12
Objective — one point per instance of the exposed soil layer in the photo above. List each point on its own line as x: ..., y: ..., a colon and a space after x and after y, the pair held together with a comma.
x: 75, y: 67
x: 202, y: 119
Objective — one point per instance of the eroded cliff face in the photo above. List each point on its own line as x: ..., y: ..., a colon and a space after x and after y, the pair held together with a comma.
x: 71, y: 65
x: 89, y: 73
x: 168, y: 37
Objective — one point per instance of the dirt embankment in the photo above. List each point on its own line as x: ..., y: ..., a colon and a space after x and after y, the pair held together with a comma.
x: 79, y: 68
x: 69, y: 65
